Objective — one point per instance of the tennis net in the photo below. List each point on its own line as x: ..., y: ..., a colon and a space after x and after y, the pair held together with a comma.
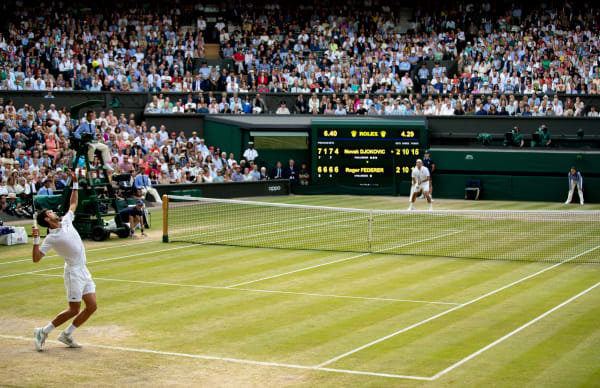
x: 538, y: 236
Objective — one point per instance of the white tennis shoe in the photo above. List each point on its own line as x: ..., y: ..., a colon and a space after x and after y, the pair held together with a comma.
x: 68, y: 340
x: 40, y: 337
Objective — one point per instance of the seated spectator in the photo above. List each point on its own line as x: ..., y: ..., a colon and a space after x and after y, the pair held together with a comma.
x: 255, y: 173
x: 263, y: 174
x: 237, y: 176
x: 303, y: 175
x: 142, y: 182
x: 282, y: 110
x: 47, y: 188
x: 291, y: 172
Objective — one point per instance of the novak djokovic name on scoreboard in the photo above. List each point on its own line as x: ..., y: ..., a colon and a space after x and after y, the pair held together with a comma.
x: 365, y: 153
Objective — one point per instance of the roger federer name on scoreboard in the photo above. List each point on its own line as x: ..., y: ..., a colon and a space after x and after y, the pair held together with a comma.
x: 367, y: 170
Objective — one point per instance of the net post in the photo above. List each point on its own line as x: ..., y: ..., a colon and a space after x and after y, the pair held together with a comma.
x: 370, y: 228
x: 165, y: 207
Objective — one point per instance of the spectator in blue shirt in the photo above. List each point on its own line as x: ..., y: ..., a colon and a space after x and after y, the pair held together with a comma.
x: 255, y: 173
x: 47, y: 189
x: 89, y: 128
x: 237, y: 176
x: 142, y: 182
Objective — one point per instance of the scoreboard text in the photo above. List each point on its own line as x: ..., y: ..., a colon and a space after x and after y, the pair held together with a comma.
x: 365, y: 155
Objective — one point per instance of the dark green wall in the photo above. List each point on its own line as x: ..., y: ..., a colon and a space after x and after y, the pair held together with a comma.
x: 227, y: 137
x: 514, y: 188
x: 546, y: 161
x: 515, y: 175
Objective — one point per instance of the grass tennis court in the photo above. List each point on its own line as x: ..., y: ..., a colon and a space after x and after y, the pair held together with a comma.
x: 204, y: 315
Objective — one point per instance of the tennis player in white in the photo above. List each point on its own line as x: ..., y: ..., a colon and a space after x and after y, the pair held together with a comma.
x: 420, y: 183
x: 64, y: 239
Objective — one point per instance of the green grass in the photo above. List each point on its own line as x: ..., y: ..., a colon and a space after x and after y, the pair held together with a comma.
x: 183, y: 298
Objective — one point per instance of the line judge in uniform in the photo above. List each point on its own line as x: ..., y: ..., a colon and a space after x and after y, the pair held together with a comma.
x: 250, y: 154
x: 575, y: 182
x: 430, y: 164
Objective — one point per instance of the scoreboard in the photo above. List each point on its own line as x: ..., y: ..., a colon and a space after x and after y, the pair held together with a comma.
x: 365, y: 152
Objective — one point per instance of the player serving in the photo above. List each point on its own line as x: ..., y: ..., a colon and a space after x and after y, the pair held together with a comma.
x: 64, y: 239
x: 420, y: 183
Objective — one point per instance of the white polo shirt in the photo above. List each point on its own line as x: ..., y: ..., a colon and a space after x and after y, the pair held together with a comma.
x: 66, y: 242
x: 420, y: 175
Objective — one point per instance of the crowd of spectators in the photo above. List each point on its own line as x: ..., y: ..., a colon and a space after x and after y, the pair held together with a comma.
x: 341, y: 52
x: 414, y: 104
x: 36, y: 149
x: 354, y: 48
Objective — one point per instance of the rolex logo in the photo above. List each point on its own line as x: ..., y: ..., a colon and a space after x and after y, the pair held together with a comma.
x: 353, y: 133
x: 383, y: 133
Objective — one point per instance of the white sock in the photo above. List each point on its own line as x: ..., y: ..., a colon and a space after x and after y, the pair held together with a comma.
x: 69, y: 330
x: 48, y: 328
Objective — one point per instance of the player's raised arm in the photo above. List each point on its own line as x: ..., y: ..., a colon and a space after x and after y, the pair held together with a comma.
x: 74, y: 192
x: 37, y: 255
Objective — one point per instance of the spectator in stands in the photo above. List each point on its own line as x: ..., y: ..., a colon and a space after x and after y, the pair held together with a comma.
x: 246, y: 176
x: 142, y: 182
x: 237, y: 176
x: 258, y: 105
x: 263, y: 174
x: 60, y: 180
x: 277, y: 171
x: 301, y: 105
x: 206, y: 176
x: 47, y: 189
x: 303, y: 175
x: 255, y: 173
x: 88, y: 127
x: 291, y: 172
x: 283, y: 109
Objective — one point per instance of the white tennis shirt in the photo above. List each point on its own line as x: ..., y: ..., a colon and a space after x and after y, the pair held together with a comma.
x: 420, y: 174
x: 66, y: 242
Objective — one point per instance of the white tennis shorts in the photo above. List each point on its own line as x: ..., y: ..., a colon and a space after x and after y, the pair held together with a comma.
x: 424, y: 186
x: 78, y: 282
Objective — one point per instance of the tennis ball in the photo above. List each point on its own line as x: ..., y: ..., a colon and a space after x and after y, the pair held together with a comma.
x: 95, y: 64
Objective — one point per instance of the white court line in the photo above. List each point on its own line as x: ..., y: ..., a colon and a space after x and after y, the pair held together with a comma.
x: 451, y: 310
x: 499, y: 340
x: 99, y: 261
x: 344, y: 259
x: 229, y: 359
x: 87, y: 250
x: 259, y: 290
